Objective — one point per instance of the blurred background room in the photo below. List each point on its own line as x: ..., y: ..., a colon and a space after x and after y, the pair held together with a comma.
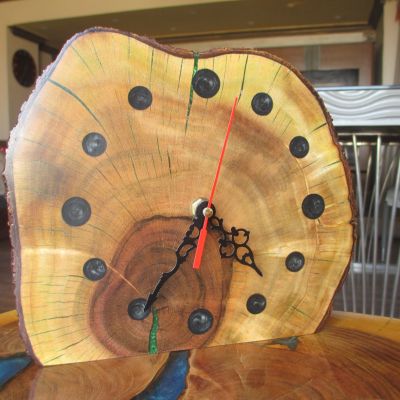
x: 348, y: 49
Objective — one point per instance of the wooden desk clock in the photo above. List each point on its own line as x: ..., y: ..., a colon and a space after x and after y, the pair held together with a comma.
x: 109, y: 173
x: 119, y: 140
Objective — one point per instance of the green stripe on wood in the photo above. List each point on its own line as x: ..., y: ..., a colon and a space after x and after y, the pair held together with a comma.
x: 153, y: 349
x: 195, y: 67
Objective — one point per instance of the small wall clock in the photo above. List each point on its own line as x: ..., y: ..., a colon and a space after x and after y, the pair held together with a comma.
x: 24, y: 68
x: 116, y: 152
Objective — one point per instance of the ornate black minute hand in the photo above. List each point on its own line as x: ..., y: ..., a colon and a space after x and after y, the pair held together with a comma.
x: 189, y: 242
x: 232, y: 244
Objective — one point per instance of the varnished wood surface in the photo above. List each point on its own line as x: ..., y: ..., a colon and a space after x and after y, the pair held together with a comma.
x: 353, y: 357
x: 10, y: 340
x: 157, y: 162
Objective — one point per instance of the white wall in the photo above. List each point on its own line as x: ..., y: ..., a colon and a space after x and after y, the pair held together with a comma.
x: 391, y: 44
x: 44, y: 60
x: 278, y: 41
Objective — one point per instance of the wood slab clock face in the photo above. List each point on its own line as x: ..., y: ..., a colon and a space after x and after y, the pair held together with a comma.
x: 112, y: 152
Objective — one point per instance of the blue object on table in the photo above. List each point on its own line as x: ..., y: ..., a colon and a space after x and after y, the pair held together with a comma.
x: 10, y: 366
x: 172, y: 380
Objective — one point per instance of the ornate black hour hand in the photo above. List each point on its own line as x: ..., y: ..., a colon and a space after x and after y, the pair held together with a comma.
x: 234, y: 244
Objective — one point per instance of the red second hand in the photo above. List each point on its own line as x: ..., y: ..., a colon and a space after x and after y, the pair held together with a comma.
x: 203, y: 233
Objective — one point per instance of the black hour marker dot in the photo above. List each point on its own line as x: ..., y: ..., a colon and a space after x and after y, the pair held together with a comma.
x: 294, y: 261
x: 313, y: 206
x: 94, y: 269
x: 76, y: 211
x: 256, y: 303
x: 136, y: 309
x: 262, y: 104
x: 299, y: 146
x: 140, y: 98
x: 94, y: 144
x: 200, y: 321
x: 206, y: 83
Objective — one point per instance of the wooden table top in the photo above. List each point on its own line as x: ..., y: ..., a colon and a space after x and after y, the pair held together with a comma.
x: 353, y: 357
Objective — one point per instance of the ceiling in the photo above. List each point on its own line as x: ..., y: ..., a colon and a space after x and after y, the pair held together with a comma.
x: 212, y: 20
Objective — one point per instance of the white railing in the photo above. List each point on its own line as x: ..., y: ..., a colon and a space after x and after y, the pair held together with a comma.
x: 367, y: 120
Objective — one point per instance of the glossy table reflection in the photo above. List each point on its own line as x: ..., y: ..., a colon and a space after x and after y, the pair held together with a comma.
x: 353, y: 356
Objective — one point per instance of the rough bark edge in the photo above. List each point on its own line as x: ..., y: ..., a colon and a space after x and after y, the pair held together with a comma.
x: 177, y: 52
x: 12, y: 209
